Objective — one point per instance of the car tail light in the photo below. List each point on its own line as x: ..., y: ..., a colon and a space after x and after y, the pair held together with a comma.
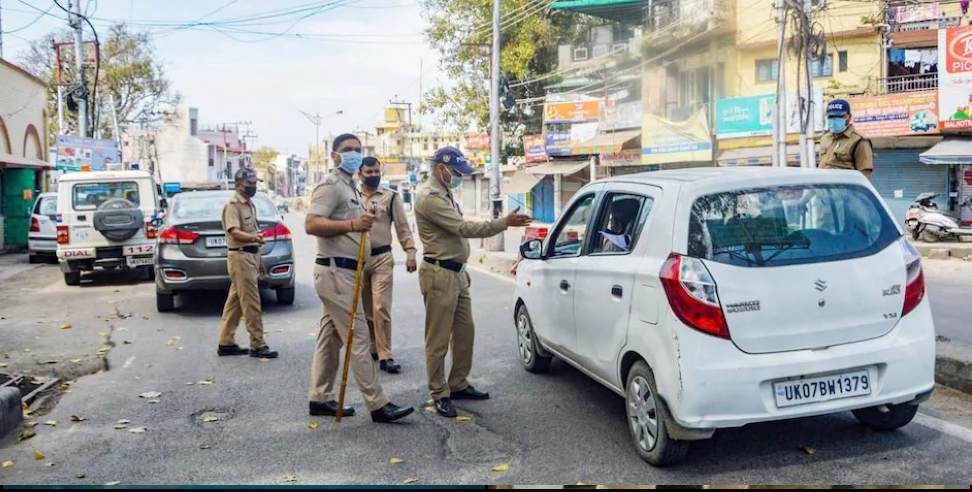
x: 62, y: 235
x: 915, y: 283
x: 278, y: 232
x: 280, y: 270
x: 34, y: 224
x: 174, y: 235
x: 150, y: 231
x: 693, y: 295
x: 171, y: 274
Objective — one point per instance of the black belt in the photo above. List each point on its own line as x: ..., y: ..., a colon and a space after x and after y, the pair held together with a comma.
x: 447, y: 264
x: 247, y: 249
x: 346, y: 263
x: 380, y: 250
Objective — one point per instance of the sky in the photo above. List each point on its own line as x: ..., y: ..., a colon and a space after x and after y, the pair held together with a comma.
x: 372, y: 54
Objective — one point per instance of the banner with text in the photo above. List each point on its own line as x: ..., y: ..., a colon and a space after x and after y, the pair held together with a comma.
x: 665, y: 142
x: 896, y: 115
x: 955, y: 77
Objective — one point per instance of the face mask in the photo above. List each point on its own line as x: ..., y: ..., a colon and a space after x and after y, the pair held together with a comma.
x: 837, y: 125
x: 455, y: 181
x: 373, y: 182
x: 249, y: 191
x: 351, y: 161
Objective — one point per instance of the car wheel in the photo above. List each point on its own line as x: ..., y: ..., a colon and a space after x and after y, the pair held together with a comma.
x: 897, y: 416
x: 164, y: 302
x: 646, y: 421
x: 285, y: 296
x: 72, y: 278
x: 526, y: 342
x: 930, y: 234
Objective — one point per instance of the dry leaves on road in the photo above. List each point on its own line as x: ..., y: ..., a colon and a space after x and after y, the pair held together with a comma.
x: 30, y: 425
x: 410, y: 480
x: 52, y: 423
x: 463, y: 418
x: 207, y: 381
x: 120, y: 426
x: 76, y: 418
x: 112, y: 484
x: 26, y: 434
x: 210, y: 418
x: 38, y: 455
x: 289, y: 479
x: 808, y: 450
x: 501, y: 468
x: 7, y: 464
x: 312, y: 425
x: 124, y: 421
x: 137, y: 430
x: 150, y: 395
x: 66, y: 326
x: 395, y: 461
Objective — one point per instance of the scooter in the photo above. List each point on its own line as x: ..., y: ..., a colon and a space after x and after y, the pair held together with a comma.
x: 927, y: 222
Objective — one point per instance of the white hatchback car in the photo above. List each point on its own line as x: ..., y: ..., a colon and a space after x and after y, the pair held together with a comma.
x: 714, y: 298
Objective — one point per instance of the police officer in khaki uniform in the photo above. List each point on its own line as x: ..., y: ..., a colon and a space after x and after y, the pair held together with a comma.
x: 246, y: 268
x: 444, y: 281
x: 378, y: 275
x: 337, y: 217
x: 841, y: 147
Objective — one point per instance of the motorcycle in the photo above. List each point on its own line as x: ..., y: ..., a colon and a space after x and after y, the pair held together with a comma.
x: 925, y: 221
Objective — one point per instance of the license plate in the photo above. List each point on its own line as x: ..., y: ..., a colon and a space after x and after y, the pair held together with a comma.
x: 137, y: 261
x: 822, y: 388
x: 216, y: 242
x: 141, y: 249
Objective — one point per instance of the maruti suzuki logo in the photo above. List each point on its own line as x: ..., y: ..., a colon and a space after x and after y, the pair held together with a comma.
x: 820, y: 285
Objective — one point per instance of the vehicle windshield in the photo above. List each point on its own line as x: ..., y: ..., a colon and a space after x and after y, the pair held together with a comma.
x: 90, y: 196
x: 789, y: 225
x: 47, y: 206
x: 191, y: 207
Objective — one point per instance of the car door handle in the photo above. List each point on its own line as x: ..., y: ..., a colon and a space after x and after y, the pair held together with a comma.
x: 617, y: 291
x: 564, y: 285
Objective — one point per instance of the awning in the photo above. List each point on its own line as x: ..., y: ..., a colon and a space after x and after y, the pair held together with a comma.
x: 949, y: 151
x: 756, y: 156
x: 554, y: 167
x: 623, y: 11
x: 11, y: 161
x: 605, y: 143
x: 520, y: 182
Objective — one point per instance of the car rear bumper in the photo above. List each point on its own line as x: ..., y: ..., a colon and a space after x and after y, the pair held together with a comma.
x: 177, y: 272
x: 42, y: 245
x: 722, y: 386
x: 73, y: 259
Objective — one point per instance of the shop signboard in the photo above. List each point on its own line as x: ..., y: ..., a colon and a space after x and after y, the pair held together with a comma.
x: 477, y: 141
x: 573, y: 111
x: 664, y: 141
x: 622, y: 116
x: 77, y: 153
x: 955, y: 77
x: 896, y: 115
x: 534, y: 149
x: 751, y: 116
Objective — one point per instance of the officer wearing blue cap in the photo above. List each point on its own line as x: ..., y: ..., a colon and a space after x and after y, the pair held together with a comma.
x: 443, y: 278
x: 841, y: 147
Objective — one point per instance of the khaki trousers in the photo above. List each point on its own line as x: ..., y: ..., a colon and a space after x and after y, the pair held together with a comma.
x: 334, y: 287
x: 377, y: 291
x: 243, y: 299
x: 448, y: 322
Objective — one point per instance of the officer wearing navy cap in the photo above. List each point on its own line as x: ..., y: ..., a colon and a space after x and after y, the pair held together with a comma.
x: 841, y: 147
x: 443, y: 278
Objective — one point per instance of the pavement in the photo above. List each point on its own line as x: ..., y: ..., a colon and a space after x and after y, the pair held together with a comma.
x: 557, y: 428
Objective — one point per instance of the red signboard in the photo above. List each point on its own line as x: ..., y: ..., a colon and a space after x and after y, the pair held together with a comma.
x: 534, y: 149
x: 477, y: 141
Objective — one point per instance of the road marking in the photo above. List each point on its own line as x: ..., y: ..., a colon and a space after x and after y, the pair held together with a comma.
x: 953, y: 430
x: 128, y: 362
x: 491, y: 274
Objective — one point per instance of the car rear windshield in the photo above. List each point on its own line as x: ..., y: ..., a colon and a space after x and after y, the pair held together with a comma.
x: 89, y: 196
x: 789, y: 225
x: 47, y: 206
x: 196, y: 208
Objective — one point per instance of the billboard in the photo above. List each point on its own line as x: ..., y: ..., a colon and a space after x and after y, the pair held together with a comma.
x: 477, y: 141
x: 911, y: 113
x: 955, y: 77
x: 665, y: 142
x: 573, y: 111
x: 77, y: 153
x: 752, y: 116
x: 556, y: 139
x: 534, y: 149
x: 622, y: 116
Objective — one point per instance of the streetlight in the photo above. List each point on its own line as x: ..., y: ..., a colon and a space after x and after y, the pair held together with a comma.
x: 316, y: 119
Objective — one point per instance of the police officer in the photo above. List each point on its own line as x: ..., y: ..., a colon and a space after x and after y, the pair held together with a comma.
x: 841, y: 147
x: 444, y: 281
x: 337, y: 217
x: 378, y: 275
x: 246, y: 268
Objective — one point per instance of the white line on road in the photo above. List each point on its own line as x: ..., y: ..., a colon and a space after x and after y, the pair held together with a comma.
x: 953, y: 430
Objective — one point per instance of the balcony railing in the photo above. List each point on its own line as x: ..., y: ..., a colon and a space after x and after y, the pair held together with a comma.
x: 673, y: 20
x: 909, y: 83
x: 931, y: 24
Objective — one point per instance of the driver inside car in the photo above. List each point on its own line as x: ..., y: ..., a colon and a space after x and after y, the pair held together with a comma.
x: 617, y: 237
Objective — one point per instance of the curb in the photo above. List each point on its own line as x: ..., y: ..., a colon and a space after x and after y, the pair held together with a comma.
x: 11, y: 411
x: 953, y: 366
x: 940, y: 251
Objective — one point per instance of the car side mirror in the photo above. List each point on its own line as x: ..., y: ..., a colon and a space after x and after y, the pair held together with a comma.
x: 532, y: 249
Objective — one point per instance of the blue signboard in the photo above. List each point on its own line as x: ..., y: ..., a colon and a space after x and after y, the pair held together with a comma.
x: 172, y: 188
x: 745, y: 116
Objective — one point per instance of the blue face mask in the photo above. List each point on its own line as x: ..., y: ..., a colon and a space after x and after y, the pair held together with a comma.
x: 837, y: 125
x: 455, y: 181
x: 351, y: 161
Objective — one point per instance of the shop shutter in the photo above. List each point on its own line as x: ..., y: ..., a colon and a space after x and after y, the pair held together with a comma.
x: 897, y: 169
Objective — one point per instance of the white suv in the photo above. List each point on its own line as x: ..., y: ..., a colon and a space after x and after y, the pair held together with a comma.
x: 106, y: 219
x: 713, y: 298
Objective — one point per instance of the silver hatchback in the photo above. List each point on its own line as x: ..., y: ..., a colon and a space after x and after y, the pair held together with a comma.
x: 191, y: 254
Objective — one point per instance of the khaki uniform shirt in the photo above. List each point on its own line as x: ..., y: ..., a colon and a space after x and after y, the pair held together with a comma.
x: 337, y: 198
x: 846, y: 151
x: 241, y: 213
x: 441, y: 227
x: 389, y: 209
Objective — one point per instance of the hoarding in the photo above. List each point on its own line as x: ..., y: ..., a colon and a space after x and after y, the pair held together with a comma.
x: 896, y: 115
x: 751, y: 116
x: 573, y: 111
x: 622, y: 116
x: 77, y: 153
x: 665, y: 142
x: 955, y: 77
x: 477, y: 141
x: 534, y: 149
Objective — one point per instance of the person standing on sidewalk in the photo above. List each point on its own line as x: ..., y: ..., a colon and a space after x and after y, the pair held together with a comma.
x: 378, y: 275
x: 337, y: 217
x: 841, y: 147
x: 245, y: 266
x: 444, y: 281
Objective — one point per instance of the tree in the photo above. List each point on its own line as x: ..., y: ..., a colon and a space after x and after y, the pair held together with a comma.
x: 263, y: 162
x: 130, y: 77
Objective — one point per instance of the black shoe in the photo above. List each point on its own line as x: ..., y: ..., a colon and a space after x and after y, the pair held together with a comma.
x: 390, y: 413
x: 469, y: 393
x: 444, y: 407
x: 374, y: 357
x: 390, y: 366
x: 263, y: 353
x: 329, y: 408
x: 231, y: 350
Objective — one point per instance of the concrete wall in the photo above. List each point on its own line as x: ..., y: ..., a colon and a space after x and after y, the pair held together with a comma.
x: 23, y: 100
x: 181, y: 157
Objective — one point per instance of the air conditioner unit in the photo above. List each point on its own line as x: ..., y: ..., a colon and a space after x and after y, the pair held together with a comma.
x: 619, y: 48
x: 580, y: 54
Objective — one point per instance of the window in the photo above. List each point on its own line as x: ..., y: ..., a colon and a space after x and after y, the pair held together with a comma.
x: 842, y: 61
x: 580, y: 54
x: 573, y: 230
x: 620, y: 222
x: 789, y: 225
x: 90, y: 196
x: 193, y: 207
x: 767, y: 70
x: 212, y: 162
x: 47, y: 206
x: 822, y: 67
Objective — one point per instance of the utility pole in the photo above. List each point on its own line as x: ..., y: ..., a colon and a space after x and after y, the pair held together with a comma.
x: 82, y: 87
x: 494, y: 129
x: 779, y: 120
x: 1, y: 30
x: 809, y: 157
